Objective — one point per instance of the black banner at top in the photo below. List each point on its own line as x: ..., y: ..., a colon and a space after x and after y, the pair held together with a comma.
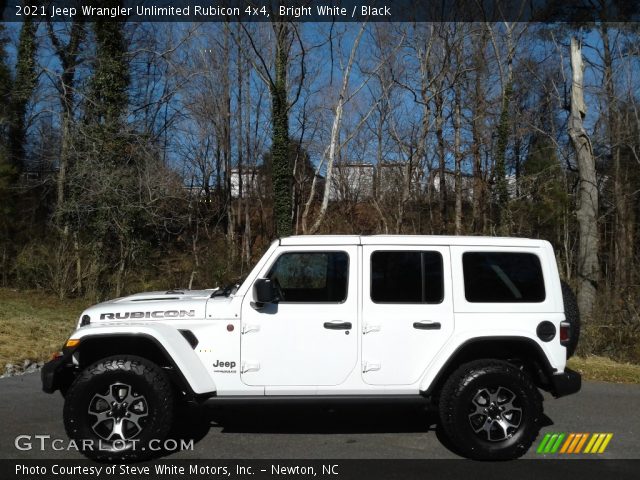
x: 322, y: 10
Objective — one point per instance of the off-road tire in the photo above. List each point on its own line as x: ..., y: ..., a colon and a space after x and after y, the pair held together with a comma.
x: 572, y: 315
x: 456, y: 404
x: 146, y: 380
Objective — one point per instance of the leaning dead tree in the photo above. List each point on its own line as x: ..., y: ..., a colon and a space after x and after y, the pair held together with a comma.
x: 333, y: 149
x: 587, y: 212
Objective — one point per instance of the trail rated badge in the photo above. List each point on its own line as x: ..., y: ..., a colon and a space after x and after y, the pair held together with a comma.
x: 573, y: 443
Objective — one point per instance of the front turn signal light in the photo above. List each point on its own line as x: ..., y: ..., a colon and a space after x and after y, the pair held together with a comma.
x: 72, y: 342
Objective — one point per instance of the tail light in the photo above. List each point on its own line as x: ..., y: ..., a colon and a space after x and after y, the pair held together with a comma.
x: 565, y: 333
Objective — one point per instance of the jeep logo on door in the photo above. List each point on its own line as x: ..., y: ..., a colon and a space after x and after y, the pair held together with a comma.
x: 220, y: 366
x: 157, y: 314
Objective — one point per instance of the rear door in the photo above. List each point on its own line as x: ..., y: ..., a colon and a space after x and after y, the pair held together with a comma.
x: 407, y: 311
x: 309, y: 337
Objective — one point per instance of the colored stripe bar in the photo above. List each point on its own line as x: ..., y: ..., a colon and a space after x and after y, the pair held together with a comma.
x: 568, y: 442
x: 596, y: 446
x: 573, y: 445
x: 551, y: 443
x: 555, y: 448
x: 594, y: 437
x: 607, y: 439
x: 543, y: 443
x: 582, y: 441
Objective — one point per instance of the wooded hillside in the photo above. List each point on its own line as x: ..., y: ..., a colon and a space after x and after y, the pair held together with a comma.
x: 162, y: 155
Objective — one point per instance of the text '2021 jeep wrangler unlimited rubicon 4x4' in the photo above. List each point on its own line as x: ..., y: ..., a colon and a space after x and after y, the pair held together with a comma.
x: 476, y: 325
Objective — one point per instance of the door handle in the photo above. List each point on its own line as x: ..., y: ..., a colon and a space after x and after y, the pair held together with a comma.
x: 337, y: 325
x: 426, y: 325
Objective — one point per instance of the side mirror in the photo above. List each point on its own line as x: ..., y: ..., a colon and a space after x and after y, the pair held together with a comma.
x: 264, y: 291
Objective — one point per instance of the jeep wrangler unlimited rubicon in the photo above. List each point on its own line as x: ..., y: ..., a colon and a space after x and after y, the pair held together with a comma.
x: 472, y: 325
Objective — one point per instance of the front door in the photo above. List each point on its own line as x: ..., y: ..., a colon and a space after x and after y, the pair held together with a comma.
x: 309, y: 337
x: 407, y: 311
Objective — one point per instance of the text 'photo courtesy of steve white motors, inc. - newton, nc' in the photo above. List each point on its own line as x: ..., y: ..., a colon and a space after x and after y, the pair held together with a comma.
x: 169, y: 469
x: 210, y: 11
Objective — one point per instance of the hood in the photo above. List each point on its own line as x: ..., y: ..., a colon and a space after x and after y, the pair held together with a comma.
x: 172, y: 304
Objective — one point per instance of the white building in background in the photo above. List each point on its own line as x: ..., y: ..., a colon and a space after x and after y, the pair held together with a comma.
x: 251, y: 178
x: 352, y: 181
x: 450, y: 182
x: 357, y: 182
x: 391, y: 178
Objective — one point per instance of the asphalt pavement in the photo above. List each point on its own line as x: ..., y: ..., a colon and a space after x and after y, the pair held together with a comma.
x: 317, y: 432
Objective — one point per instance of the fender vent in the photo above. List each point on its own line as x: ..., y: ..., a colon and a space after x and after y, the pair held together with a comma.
x: 190, y: 337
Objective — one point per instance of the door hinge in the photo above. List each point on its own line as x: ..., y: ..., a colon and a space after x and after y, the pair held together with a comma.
x: 370, y: 328
x: 250, y: 328
x: 370, y: 367
x: 249, y: 367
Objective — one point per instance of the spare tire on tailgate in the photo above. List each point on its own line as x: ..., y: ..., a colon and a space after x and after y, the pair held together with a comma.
x: 572, y: 316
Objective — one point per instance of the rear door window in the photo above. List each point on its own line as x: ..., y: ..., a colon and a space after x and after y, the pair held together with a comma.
x: 406, y: 277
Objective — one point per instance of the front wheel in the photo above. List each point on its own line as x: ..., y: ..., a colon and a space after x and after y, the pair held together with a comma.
x: 117, y: 406
x: 490, y: 410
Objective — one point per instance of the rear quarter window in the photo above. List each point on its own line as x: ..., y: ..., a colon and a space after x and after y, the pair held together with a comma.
x: 502, y: 277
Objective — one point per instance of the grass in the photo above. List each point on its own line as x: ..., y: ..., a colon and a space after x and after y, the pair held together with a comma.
x: 33, y: 325
x: 606, y: 370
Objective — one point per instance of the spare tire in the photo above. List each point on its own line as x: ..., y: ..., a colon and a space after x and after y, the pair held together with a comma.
x: 572, y: 316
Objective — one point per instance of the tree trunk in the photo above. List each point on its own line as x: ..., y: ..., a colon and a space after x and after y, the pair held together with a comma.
x: 502, y: 187
x: 196, y: 258
x: 281, y: 170
x: 333, y: 150
x: 68, y: 56
x: 623, y: 227
x: 442, y: 165
x: 478, y: 209
x: 587, y: 212
x: 21, y: 93
x: 230, y: 213
x: 458, y: 159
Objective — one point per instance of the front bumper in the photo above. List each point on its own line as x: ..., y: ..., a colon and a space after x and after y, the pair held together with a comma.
x: 565, y: 383
x: 57, y: 374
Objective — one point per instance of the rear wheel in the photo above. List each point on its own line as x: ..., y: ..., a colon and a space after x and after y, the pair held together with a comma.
x: 117, y: 406
x: 490, y: 410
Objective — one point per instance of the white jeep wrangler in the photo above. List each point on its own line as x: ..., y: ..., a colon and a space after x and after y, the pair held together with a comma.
x: 470, y: 325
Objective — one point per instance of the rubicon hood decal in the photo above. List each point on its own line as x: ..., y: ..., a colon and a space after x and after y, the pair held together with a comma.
x: 154, y: 314
x: 155, y: 306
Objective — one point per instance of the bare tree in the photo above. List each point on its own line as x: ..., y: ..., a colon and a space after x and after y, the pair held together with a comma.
x: 587, y: 213
x: 333, y: 149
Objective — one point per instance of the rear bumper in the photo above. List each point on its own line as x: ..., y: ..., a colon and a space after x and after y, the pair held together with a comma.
x: 565, y: 383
